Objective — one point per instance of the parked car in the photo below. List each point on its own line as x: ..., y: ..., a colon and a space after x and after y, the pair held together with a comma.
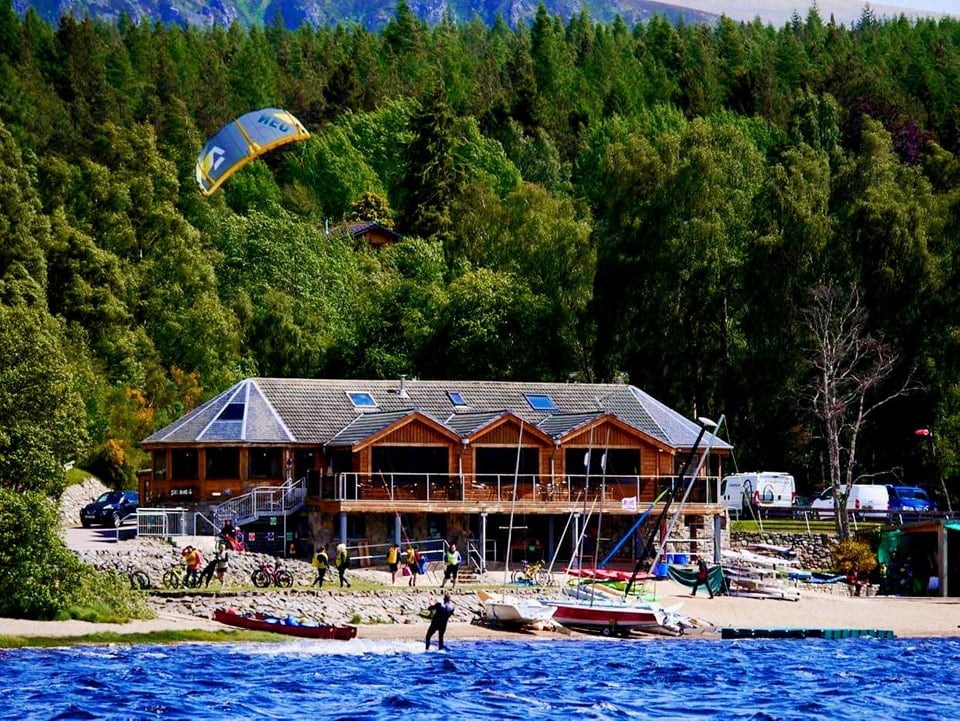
x: 910, y: 498
x: 110, y: 509
x: 865, y: 499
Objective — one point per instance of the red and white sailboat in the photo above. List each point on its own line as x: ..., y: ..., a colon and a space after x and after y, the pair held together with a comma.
x: 600, y: 609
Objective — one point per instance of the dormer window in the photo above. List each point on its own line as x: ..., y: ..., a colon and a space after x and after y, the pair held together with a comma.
x: 540, y: 402
x: 363, y: 401
x: 456, y: 397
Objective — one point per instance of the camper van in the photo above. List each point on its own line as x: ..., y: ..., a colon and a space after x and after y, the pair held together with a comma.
x: 760, y: 490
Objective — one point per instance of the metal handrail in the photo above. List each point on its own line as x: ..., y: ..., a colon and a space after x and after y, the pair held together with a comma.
x: 262, y: 501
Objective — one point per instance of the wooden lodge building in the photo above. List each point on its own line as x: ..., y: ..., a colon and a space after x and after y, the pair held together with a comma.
x: 409, y: 460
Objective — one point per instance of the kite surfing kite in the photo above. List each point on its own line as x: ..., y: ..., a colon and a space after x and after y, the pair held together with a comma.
x: 242, y: 140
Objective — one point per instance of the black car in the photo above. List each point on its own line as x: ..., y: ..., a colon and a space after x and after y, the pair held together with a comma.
x: 110, y: 509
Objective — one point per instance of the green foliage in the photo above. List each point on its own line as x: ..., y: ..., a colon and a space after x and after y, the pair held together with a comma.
x: 580, y: 200
x: 42, y: 578
x: 44, y: 422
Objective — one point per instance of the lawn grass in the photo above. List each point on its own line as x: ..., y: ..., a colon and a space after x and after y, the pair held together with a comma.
x: 796, y: 526
x: 153, y: 637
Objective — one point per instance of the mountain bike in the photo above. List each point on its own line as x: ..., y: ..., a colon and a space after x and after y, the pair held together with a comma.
x: 173, y: 577
x: 268, y: 574
x: 533, y: 573
x: 139, y: 580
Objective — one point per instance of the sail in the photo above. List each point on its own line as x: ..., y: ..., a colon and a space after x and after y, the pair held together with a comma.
x: 242, y: 140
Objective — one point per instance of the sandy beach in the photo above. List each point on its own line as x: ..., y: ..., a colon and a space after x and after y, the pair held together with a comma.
x: 906, y: 617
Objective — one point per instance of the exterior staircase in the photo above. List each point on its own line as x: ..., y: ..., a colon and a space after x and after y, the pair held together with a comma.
x: 261, y: 502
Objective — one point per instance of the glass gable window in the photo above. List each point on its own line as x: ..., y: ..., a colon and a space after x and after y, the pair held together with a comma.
x: 456, y: 397
x: 232, y: 412
x: 362, y: 400
x: 540, y: 402
x: 223, y: 463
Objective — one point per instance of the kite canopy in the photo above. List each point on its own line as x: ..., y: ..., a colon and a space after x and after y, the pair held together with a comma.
x: 244, y: 139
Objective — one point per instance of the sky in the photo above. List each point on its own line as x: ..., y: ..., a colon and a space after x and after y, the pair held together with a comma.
x: 844, y: 11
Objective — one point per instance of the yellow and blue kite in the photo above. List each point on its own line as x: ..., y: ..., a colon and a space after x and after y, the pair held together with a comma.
x: 242, y: 140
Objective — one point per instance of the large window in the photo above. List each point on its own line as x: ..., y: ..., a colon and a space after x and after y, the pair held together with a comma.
x: 183, y: 463
x: 160, y: 465
x: 223, y: 463
x: 266, y: 463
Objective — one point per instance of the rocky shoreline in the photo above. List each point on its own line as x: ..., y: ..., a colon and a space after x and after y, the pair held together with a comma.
x: 399, y: 604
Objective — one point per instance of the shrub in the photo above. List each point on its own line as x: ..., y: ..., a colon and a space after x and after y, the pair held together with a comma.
x: 847, y: 553
x: 43, y: 579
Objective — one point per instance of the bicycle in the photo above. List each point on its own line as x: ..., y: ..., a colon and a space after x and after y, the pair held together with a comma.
x: 174, y: 578
x: 535, y: 573
x: 268, y: 574
x: 139, y: 580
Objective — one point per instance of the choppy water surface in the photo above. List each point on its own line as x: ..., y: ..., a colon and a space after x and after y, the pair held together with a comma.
x: 361, y: 679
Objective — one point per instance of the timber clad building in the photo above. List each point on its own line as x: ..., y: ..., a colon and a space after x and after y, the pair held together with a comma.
x: 430, y: 459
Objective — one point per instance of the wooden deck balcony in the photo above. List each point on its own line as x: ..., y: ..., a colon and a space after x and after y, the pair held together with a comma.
x: 440, y: 493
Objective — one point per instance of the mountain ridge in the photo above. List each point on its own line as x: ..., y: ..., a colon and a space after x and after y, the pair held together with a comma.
x: 371, y: 14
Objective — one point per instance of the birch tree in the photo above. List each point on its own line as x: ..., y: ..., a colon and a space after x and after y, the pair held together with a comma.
x: 850, y: 374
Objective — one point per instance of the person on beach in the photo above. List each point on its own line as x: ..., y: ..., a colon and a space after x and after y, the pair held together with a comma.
x: 222, y: 559
x: 453, y: 560
x: 393, y: 562
x: 342, y: 562
x: 412, y: 561
x: 442, y: 611
x: 854, y: 579
x: 321, y: 562
x: 193, y: 560
x: 213, y: 566
x: 703, y: 576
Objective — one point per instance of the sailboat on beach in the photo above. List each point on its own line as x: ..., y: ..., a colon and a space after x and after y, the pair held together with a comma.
x: 592, y: 605
x: 510, y: 609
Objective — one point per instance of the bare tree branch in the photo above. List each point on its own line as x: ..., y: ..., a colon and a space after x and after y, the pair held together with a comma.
x: 849, y: 367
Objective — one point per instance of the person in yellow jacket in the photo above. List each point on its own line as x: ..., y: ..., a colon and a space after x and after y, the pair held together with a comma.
x: 393, y: 562
x: 321, y: 561
x: 453, y: 560
x: 342, y: 562
x: 412, y: 562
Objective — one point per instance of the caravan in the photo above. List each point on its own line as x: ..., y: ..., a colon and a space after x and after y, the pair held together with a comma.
x: 759, y: 490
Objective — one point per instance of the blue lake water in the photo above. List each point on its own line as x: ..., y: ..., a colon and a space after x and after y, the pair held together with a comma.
x: 592, y: 679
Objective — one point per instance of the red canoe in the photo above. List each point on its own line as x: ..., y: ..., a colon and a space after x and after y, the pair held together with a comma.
x: 263, y: 622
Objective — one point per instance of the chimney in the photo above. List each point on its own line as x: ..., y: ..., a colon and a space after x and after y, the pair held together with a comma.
x: 402, y: 393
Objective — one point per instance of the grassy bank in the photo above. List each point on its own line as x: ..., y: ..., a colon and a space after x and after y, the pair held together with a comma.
x: 153, y: 638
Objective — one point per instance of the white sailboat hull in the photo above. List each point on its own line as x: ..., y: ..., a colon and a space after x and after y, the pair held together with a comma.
x: 504, y: 608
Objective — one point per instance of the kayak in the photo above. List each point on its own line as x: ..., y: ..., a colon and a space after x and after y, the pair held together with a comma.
x: 290, y: 626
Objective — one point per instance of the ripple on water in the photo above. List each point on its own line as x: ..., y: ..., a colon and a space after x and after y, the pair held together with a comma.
x: 364, y: 679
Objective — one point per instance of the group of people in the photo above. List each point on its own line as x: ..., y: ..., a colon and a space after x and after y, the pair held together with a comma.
x: 414, y: 564
x: 341, y: 561
x: 193, y: 560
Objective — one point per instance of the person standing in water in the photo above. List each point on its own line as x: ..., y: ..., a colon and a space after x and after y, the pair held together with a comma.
x: 442, y: 611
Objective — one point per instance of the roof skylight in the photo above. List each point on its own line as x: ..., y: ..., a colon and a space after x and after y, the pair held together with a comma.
x: 540, y: 402
x: 362, y: 400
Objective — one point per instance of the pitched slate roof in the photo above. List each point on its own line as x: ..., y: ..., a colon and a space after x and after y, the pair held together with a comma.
x: 320, y: 411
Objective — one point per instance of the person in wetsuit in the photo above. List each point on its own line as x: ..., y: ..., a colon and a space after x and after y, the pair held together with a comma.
x: 438, y: 624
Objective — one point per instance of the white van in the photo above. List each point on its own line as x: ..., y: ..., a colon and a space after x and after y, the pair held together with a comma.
x: 865, y: 499
x: 760, y: 489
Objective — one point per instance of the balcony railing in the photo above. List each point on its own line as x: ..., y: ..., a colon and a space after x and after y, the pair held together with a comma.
x: 501, y: 488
